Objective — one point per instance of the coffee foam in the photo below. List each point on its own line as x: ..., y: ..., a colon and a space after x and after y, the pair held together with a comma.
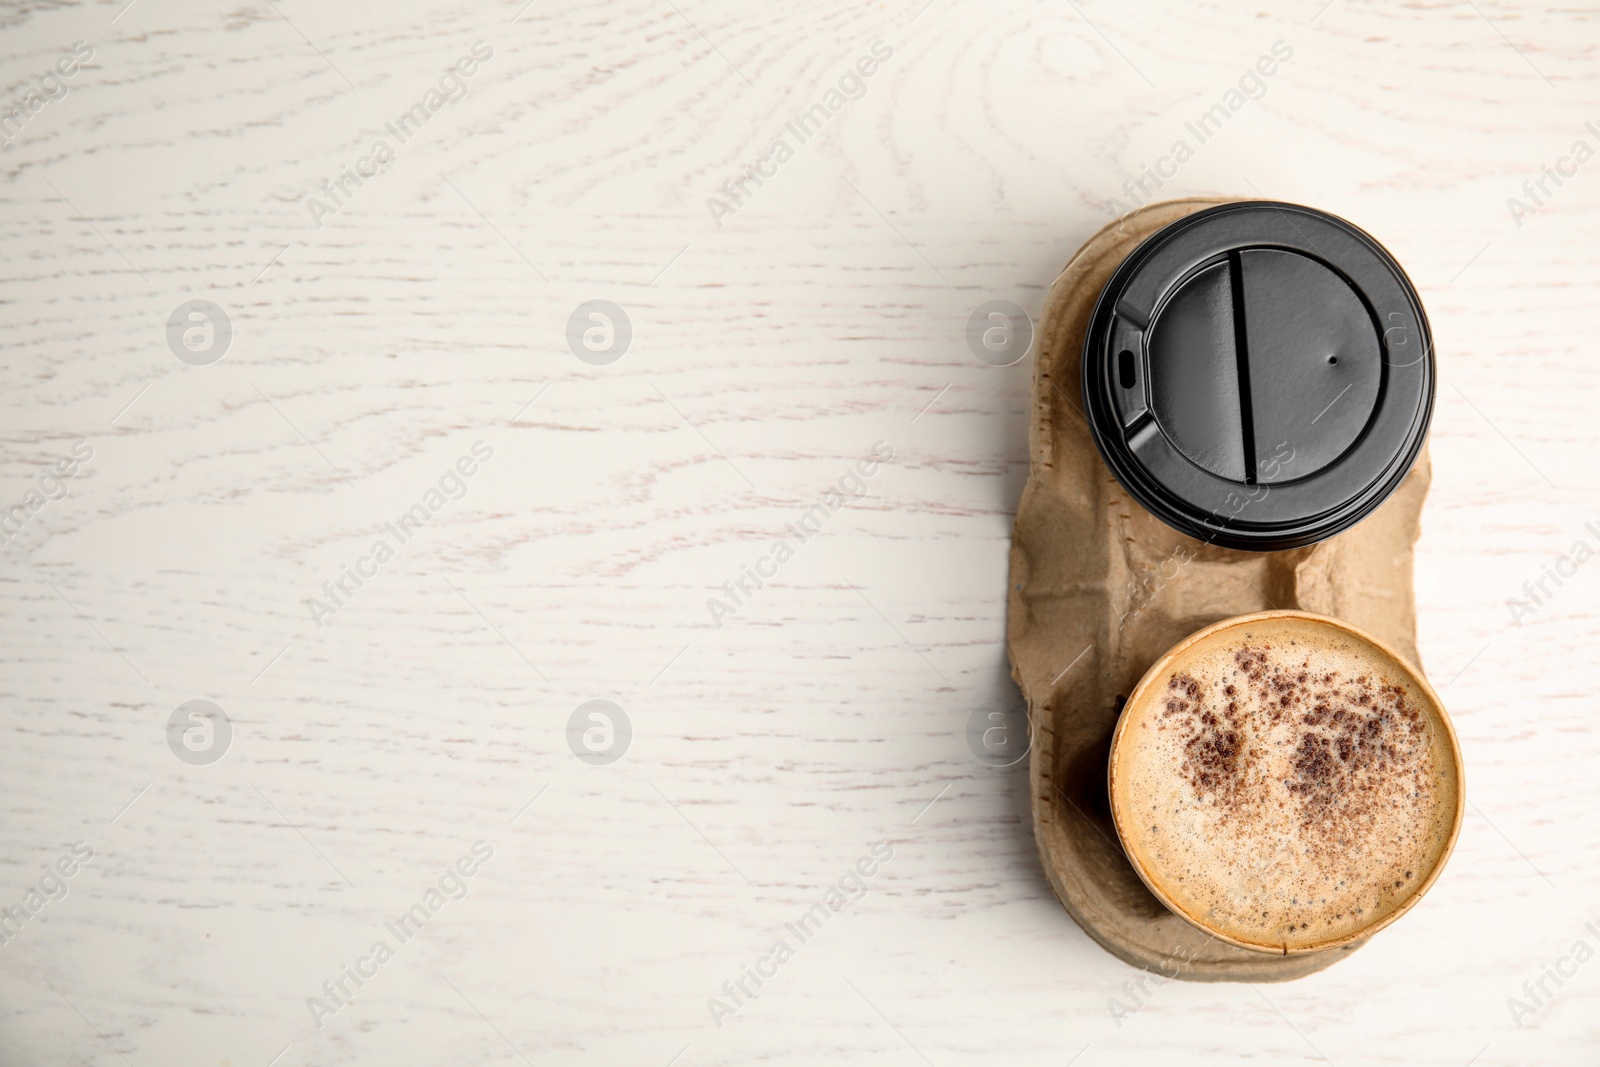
x: 1285, y: 783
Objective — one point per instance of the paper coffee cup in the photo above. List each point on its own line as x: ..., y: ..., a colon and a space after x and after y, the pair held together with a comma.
x: 1286, y: 782
x: 1259, y: 375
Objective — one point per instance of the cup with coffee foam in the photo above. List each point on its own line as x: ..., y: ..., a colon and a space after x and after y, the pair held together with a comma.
x: 1286, y: 782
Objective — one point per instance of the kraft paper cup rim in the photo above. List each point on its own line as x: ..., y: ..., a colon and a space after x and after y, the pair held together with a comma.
x: 1440, y: 715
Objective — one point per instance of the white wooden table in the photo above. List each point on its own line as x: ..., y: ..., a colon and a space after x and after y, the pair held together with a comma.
x: 774, y: 339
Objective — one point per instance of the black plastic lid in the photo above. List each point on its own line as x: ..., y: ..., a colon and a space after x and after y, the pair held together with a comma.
x: 1259, y: 375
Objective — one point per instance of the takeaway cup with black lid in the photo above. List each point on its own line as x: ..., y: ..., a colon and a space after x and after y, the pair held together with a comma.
x: 1259, y: 375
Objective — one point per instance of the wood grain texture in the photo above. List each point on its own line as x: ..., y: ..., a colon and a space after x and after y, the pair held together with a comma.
x: 769, y: 354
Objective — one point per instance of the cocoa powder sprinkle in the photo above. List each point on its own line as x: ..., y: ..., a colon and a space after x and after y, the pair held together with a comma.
x: 1361, y: 746
x: 1305, y: 777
